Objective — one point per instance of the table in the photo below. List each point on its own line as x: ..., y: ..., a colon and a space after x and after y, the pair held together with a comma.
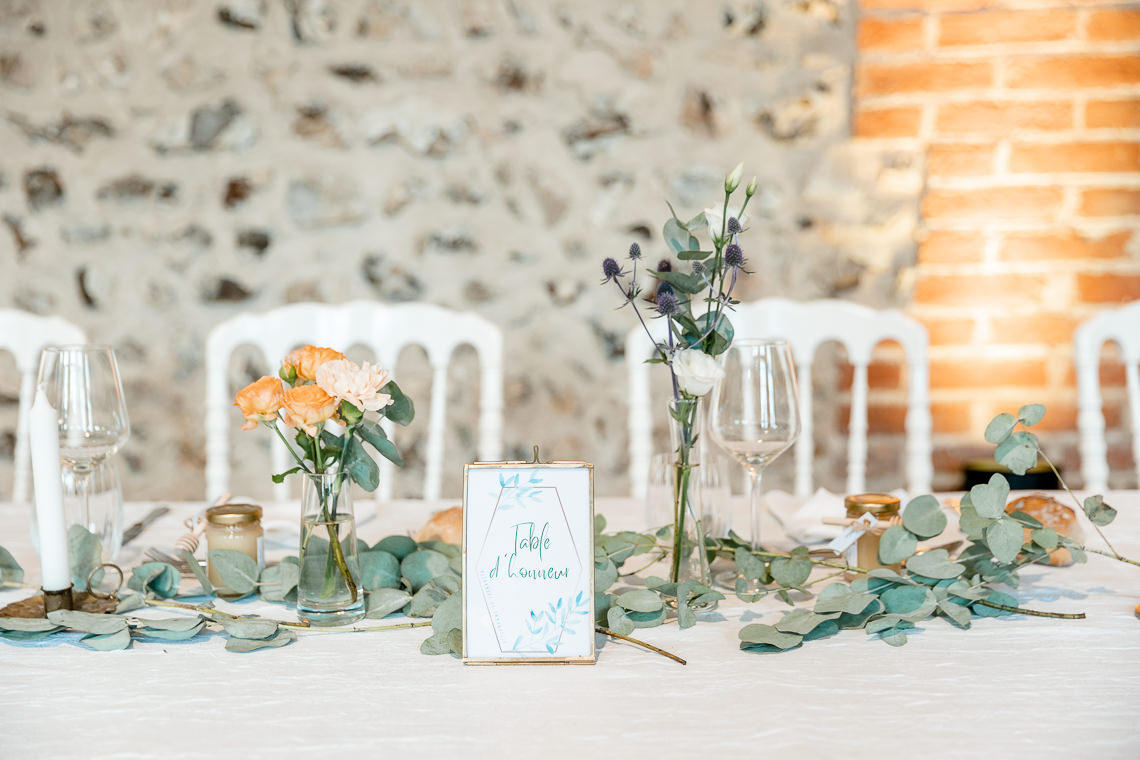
x: 1008, y: 688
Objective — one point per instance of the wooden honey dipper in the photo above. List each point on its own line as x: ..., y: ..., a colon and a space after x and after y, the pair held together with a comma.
x: 197, y: 524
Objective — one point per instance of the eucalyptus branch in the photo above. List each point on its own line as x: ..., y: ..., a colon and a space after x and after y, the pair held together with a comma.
x: 1103, y: 553
x: 640, y: 643
x: 660, y: 556
x: 1034, y: 613
x: 1080, y: 507
x: 360, y: 628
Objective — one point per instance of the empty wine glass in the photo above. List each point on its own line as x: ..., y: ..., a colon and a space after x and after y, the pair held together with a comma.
x: 756, y: 415
x: 82, y: 384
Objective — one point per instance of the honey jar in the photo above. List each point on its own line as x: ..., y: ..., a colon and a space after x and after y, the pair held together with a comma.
x: 236, y: 527
x: 881, y: 506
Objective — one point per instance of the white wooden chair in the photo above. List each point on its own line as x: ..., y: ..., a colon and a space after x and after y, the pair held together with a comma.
x: 386, y: 330
x: 25, y: 335
x: 1121, y: 326
x: 806, y: 326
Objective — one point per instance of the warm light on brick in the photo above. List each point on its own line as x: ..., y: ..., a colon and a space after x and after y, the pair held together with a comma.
x: 1114, y: 24
x: 887, y: 79
x: 1109, y: 156
x: 1019, y: 204
x: 888, y: 122
x: 954, y: 160
x: 1001, y: 117
x: 1110, y: 202
x: 1001, y: 27
x: 1073, y: 71
x: 893, y: 33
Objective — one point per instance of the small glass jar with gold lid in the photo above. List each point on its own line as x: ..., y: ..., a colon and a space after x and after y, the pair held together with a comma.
x: 236, y: 527
x: 881, y: 506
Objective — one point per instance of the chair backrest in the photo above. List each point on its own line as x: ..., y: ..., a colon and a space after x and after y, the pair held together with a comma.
x: 806, y: 326
x: 25, y: 335
x: 386, y: 330
x: 1121, y: 326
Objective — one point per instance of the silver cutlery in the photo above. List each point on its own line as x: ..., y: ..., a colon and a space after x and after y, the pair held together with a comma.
x: 134, y: 531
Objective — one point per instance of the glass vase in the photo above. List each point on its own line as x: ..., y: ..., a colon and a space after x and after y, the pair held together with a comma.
x: 329, y: 590
x: 688, y: 559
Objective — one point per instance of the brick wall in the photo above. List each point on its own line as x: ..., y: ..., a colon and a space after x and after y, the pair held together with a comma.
x: 1029, y: 117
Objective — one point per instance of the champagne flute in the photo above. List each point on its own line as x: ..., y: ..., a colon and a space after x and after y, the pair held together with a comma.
x: 82, y: 384
x: 756, y: 414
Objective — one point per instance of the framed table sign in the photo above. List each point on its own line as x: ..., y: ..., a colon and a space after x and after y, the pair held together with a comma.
x: 528, y: 562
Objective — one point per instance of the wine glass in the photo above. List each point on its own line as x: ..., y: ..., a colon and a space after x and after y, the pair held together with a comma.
x: 82, y: 384
x: 755, y: 413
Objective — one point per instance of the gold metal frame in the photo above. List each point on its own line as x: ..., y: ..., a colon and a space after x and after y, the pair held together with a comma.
x: 536, y: 465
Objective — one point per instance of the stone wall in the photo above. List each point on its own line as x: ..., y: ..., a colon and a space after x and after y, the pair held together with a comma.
x: 169, y: 164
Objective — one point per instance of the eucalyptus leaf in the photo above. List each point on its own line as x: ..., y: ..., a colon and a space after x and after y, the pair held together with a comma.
x: 237, y: 570
x: 1004, y: 539
x: 165, y: 635
x: 278, y: 581
x: 924, y: 517
x: 618, y: 622
x: 1026, y: 520
x: 108, y: 642
x: 749, y: 566
x: 838, y: 597
x: 85, y: 552
x: 128, y: 601
x: 689, y: 284
x: 605, y: 574
x: 448, y: 615
x: 896, y: 544
x: 199, y: 573
x: 934, y: 564
x: 646, y: 619
x: 1020, y: 458
x: 899, y: 600
x: 971, y: 523
x: 426, y: 601
x: 282, y: 638
x: 1046, y: 538
x: 1000, y: 427
x: 640, y: 600
x: 158, y: 577
x: 997, y: 597
x: 957, y: 613
x: 1030, y: 414
x: 379, y: 569
x: 248, y: 627
x: 1099, y: 513
x: 768, y: 636
x: 989, y: 499
x: 25, y: 637
x: 443, y: 642
x: 859, y: 619
x: 183, y: 623
x: 803, y: 622
x: 38, y: 625
x: 398, y: 546
x: 88, y: 622
x: 421, y: 566
x: 793, y: 571
x: 10, y: 570
x: 384, y: 601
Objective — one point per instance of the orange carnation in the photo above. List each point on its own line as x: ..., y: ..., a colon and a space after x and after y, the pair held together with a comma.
x: 307, y: 406
x: 259, y: 401
x: 308, y: 359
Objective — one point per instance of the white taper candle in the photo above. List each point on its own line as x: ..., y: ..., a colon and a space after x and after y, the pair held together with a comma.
x: 43, y: 431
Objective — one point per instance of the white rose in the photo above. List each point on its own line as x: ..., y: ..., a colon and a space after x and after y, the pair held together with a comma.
x: 696, y: 371
x: 358, y: 385
x: 716, y: 221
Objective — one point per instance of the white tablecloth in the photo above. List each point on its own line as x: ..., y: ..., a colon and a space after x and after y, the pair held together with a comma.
x: 1008, y: 688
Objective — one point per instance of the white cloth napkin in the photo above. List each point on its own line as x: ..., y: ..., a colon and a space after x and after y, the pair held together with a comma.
x: 801, y: 520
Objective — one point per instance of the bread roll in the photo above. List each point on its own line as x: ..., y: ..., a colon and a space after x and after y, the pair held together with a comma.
x: 446, y: 526
x: 1052, y: 514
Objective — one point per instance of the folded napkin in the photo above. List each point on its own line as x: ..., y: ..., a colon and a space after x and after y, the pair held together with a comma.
x: 801, y: 519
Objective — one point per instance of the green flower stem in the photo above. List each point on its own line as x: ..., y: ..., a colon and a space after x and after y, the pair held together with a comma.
x: 300, y: 462
x: 1080, y: 507
x: 640, y: 643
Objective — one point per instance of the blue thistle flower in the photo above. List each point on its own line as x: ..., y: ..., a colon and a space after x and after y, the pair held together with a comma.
x: 611, y: 269
x: 733, y: 225
x: 698, y: 267
x: 667, y: 305
x: 664, y: 287
x: 733, y: 256
x: 665, y: 266
x: 635, y: 251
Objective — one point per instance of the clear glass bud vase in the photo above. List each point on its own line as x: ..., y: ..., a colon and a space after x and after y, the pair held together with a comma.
x: 689, y: 558
x: 329, y: 591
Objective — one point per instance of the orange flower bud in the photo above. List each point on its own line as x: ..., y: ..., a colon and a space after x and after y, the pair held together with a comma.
x: 307, y: 406
x: 259, y: 401
x: 307, y: 360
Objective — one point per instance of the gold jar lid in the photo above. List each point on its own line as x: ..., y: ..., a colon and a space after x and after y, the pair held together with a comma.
x: 234, y: 514
x: 876, y: 504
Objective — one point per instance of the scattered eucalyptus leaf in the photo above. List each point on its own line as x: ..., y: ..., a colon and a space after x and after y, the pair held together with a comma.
x: 618, y: 622
x: 171, y: 624
x: 989, y: 499
x: 398, y: 546
x: 956, y: 613
x: 899, y: 600
x: 88, y: 622
x: 803, y: 622
x: 384, y: 601
x: 1099, y: 513
x: 237, y: 570
x: 282, y: 638
x: 108, y: 642
x: 1026, y: 520
x: 792, y: 571
x: 158, y: 577
x: 85, y: 552
x: 10, y: 570
x: 934, y: 564
x: 199, y: 573
x: 764, y: 638
x: 1020, y: 458
x: 997, y: 597
x: 749, y: 566
x: 924, y: 517
x: 129, y: 600
x: 1046, y: 538
x: 36, y: 625
x: 647, y: 619
x: 444, y: 642
x: 23, y: 637
x: 426, y: 601
x: 379, y: 569
x: 168, y: 635
x: 278, y: 581
x: 248, y: 627
x: 838, y: 597
x: 421, y: 566
x: 1004, y: 538
x: 449, y: 615
x: 896, y: 544
x: 971, y: 523
x: 640, y: 600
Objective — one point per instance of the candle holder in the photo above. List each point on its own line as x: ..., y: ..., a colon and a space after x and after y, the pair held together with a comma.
x: 58, y: 600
